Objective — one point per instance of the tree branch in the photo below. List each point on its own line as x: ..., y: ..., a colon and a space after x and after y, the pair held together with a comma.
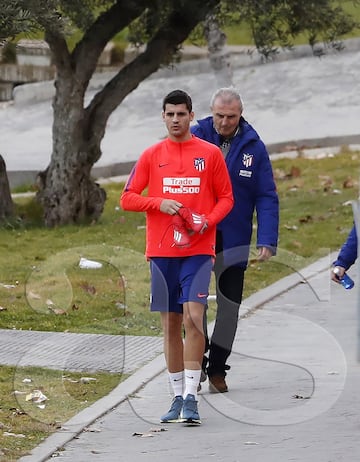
x: 160, y: 50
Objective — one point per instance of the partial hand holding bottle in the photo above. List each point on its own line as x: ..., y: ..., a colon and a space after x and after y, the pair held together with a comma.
x: 345, y: 280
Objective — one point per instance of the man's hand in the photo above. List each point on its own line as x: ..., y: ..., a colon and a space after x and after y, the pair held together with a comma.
x: 337, y: 273
x: 264, y: 253
x: 195, y: 221
x: 204, y: 228
x: 170, y: 206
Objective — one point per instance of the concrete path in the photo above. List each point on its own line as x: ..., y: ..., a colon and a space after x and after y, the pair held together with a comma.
x: 293, y: 390
x: 80, y: 352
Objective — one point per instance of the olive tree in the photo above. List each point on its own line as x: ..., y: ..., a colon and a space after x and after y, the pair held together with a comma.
x: 66, y: 190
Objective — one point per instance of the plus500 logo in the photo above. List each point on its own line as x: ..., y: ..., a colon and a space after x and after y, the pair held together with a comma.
x: 181, y: 189
x: 176, y: 185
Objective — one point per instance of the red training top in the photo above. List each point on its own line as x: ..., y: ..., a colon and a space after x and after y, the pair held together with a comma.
x: 192, y: 172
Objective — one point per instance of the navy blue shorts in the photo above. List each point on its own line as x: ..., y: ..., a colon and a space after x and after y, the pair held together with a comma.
x: 176, y: 280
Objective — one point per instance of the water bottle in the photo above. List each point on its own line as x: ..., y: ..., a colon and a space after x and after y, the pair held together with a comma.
x: 346, y: 280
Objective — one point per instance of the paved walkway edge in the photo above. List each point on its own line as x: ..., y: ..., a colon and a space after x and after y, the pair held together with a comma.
x: 145, y: 374
x: 83, y: 419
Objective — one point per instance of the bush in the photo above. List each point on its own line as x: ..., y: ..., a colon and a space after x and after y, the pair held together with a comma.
x: 118, y: 54
x: 9, y: 53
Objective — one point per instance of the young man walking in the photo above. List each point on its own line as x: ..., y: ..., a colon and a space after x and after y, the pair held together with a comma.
x: 188, y: 193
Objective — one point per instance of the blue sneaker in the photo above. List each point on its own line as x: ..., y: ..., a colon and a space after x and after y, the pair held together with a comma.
x: 190, y: 414
x: 173, y: 414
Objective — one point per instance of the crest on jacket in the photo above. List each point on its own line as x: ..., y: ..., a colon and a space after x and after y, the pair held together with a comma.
x: 199, y: 164
x: 247, y: 159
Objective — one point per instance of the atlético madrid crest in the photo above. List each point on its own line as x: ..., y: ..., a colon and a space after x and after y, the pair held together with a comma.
x: 199, y: 164
x: 247, y: 160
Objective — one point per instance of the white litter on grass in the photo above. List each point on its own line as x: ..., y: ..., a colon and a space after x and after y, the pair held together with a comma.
x: 7, y: 286
x: 37, y: 396
x: 89, y: 264
x: 87, y: 379
x: 15, y: 435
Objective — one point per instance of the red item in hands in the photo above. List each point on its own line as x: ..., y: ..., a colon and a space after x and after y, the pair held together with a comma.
x: 181, y: 235
x: 194, y: 221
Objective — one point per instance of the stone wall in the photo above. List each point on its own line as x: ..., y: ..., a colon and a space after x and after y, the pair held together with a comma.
x: 34, y: 64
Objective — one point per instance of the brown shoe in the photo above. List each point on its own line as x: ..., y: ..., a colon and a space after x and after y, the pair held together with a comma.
x: 217, y: 384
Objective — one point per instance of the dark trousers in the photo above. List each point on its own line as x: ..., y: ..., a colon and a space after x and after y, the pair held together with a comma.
x: 229, y: 290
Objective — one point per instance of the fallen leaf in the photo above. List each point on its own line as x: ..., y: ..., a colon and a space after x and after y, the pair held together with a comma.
x: 158, y: 429
x: 88, y: 288
x: 307, y: 219
x: 143, y: 435
x: 348, y: 183
x: 58, y: 311
x: 16, y: 411
x: 295, y: 172
x: 325, y: 180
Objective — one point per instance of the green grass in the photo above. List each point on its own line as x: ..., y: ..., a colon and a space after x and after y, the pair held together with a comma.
x: 43, y: 288
x: 26, y: 423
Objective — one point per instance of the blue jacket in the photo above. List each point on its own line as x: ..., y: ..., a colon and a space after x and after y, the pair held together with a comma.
x: 254, y: 189
x: 348, y: 251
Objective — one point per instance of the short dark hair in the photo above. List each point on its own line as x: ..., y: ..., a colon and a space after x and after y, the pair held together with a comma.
x: 178, y: 97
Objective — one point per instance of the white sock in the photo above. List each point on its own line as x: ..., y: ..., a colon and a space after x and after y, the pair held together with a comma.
x: 177, y: 382
x: 192, y: 380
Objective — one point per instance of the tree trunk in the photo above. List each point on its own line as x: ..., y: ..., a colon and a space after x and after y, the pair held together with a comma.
x: 66, y: 191
x: 218, y: 53
x: 6, y: 203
